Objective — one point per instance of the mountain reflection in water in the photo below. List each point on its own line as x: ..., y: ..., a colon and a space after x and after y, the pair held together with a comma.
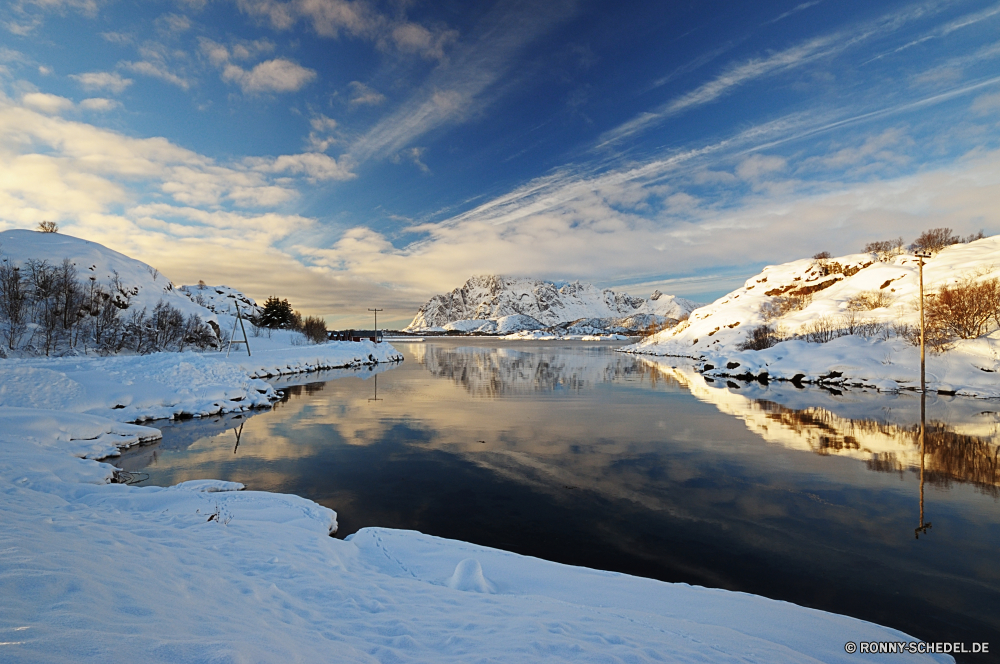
x: 576, y: 453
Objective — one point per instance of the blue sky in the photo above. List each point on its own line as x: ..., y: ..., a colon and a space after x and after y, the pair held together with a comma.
x: 346, y: 154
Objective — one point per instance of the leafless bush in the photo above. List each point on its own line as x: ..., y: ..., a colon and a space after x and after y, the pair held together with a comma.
x: 868, y: 300
x: 784, y: 304
x: 759, y: 338
x: 903, y: 330
x: 823, y: 255
x: 822, y: 330
x: 314, y: 329
x: 966, y: 308
x: 972, y: 237
x: 934, y: 240
x: 885, y: 249
x: 48, y: 227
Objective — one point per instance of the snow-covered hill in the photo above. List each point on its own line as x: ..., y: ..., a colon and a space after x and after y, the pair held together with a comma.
x: 110, y: 287
x: 850, y: 320
x: 503, y: 305
x: 142, y: 284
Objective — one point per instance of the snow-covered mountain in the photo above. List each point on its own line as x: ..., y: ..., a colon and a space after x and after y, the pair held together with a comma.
x: 501, y: 305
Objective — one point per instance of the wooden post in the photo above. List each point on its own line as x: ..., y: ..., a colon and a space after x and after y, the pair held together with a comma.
x: 923, y: 332
x: 922, y: 528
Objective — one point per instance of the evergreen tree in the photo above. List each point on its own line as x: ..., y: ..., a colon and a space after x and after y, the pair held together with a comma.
x: 277, y: 314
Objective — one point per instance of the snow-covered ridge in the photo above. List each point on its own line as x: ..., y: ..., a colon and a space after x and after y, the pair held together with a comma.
x: 503, y: 305
x: 804, y: 296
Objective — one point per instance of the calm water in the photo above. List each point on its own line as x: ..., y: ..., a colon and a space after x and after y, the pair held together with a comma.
x: 575, y: 453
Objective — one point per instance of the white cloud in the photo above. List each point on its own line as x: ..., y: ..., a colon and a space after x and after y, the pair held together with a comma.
x: 173, y: 23
x: 357, y: 18
x: 362, y: 95
x: 119, y: 38
x: 44, y: 71
x: 157, y: 70
x: 102, y: 80
x: 323, y: 133
x: 278, y: 75
x: 414, y: 38
x: 987, y: 104
x: 314, y: 165
x: 412, y: 155
x: 99, y: 104
x: 46, y: 103
x: 758, y: 166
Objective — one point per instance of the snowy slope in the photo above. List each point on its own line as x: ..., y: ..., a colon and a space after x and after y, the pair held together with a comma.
x: 885, y: 360
x: 488, y: 299
x: 96, y: 262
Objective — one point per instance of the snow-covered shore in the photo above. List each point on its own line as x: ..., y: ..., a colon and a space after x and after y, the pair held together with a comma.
x: 200, y: 572
x: 833, y: 296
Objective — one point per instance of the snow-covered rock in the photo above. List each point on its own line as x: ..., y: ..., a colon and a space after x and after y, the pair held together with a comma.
x: 222, y: 300
x: 516, y: 304
x: 828, y: 292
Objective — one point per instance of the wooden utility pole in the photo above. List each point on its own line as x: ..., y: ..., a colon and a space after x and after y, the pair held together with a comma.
x: 922, y: 528
x: 923, y: 331
x: 376, y: 321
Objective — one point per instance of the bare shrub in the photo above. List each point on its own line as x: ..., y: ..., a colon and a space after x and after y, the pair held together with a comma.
x: 784, y: 304
x: 972, y: 237
x: 759, y: 338
x: 822, y: 330
x: 868, y: 300
x: 823, y: 255
x: 314, y: 329
x: 884, y: 250
x: 48, y: 227
x: 13, y: 303
x: 965, y: 309
x: 934, y: 240
x: 903, y: 330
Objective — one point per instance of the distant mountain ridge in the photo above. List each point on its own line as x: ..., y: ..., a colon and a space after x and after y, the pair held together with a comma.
x: 495, y: 304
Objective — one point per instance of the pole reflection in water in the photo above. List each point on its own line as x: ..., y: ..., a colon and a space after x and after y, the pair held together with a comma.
x: 239, y: 432
x: 375, y: 398
x: 922, y: 527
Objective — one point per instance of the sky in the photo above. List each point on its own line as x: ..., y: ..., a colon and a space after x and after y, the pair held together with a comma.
x: 348, y: 154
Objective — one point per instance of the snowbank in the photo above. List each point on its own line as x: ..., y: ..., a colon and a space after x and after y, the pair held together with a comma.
x: 165, y: 385
x: 885, y: 360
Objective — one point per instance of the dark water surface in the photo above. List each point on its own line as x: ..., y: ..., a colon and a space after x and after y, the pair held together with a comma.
x: 574, y: 453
